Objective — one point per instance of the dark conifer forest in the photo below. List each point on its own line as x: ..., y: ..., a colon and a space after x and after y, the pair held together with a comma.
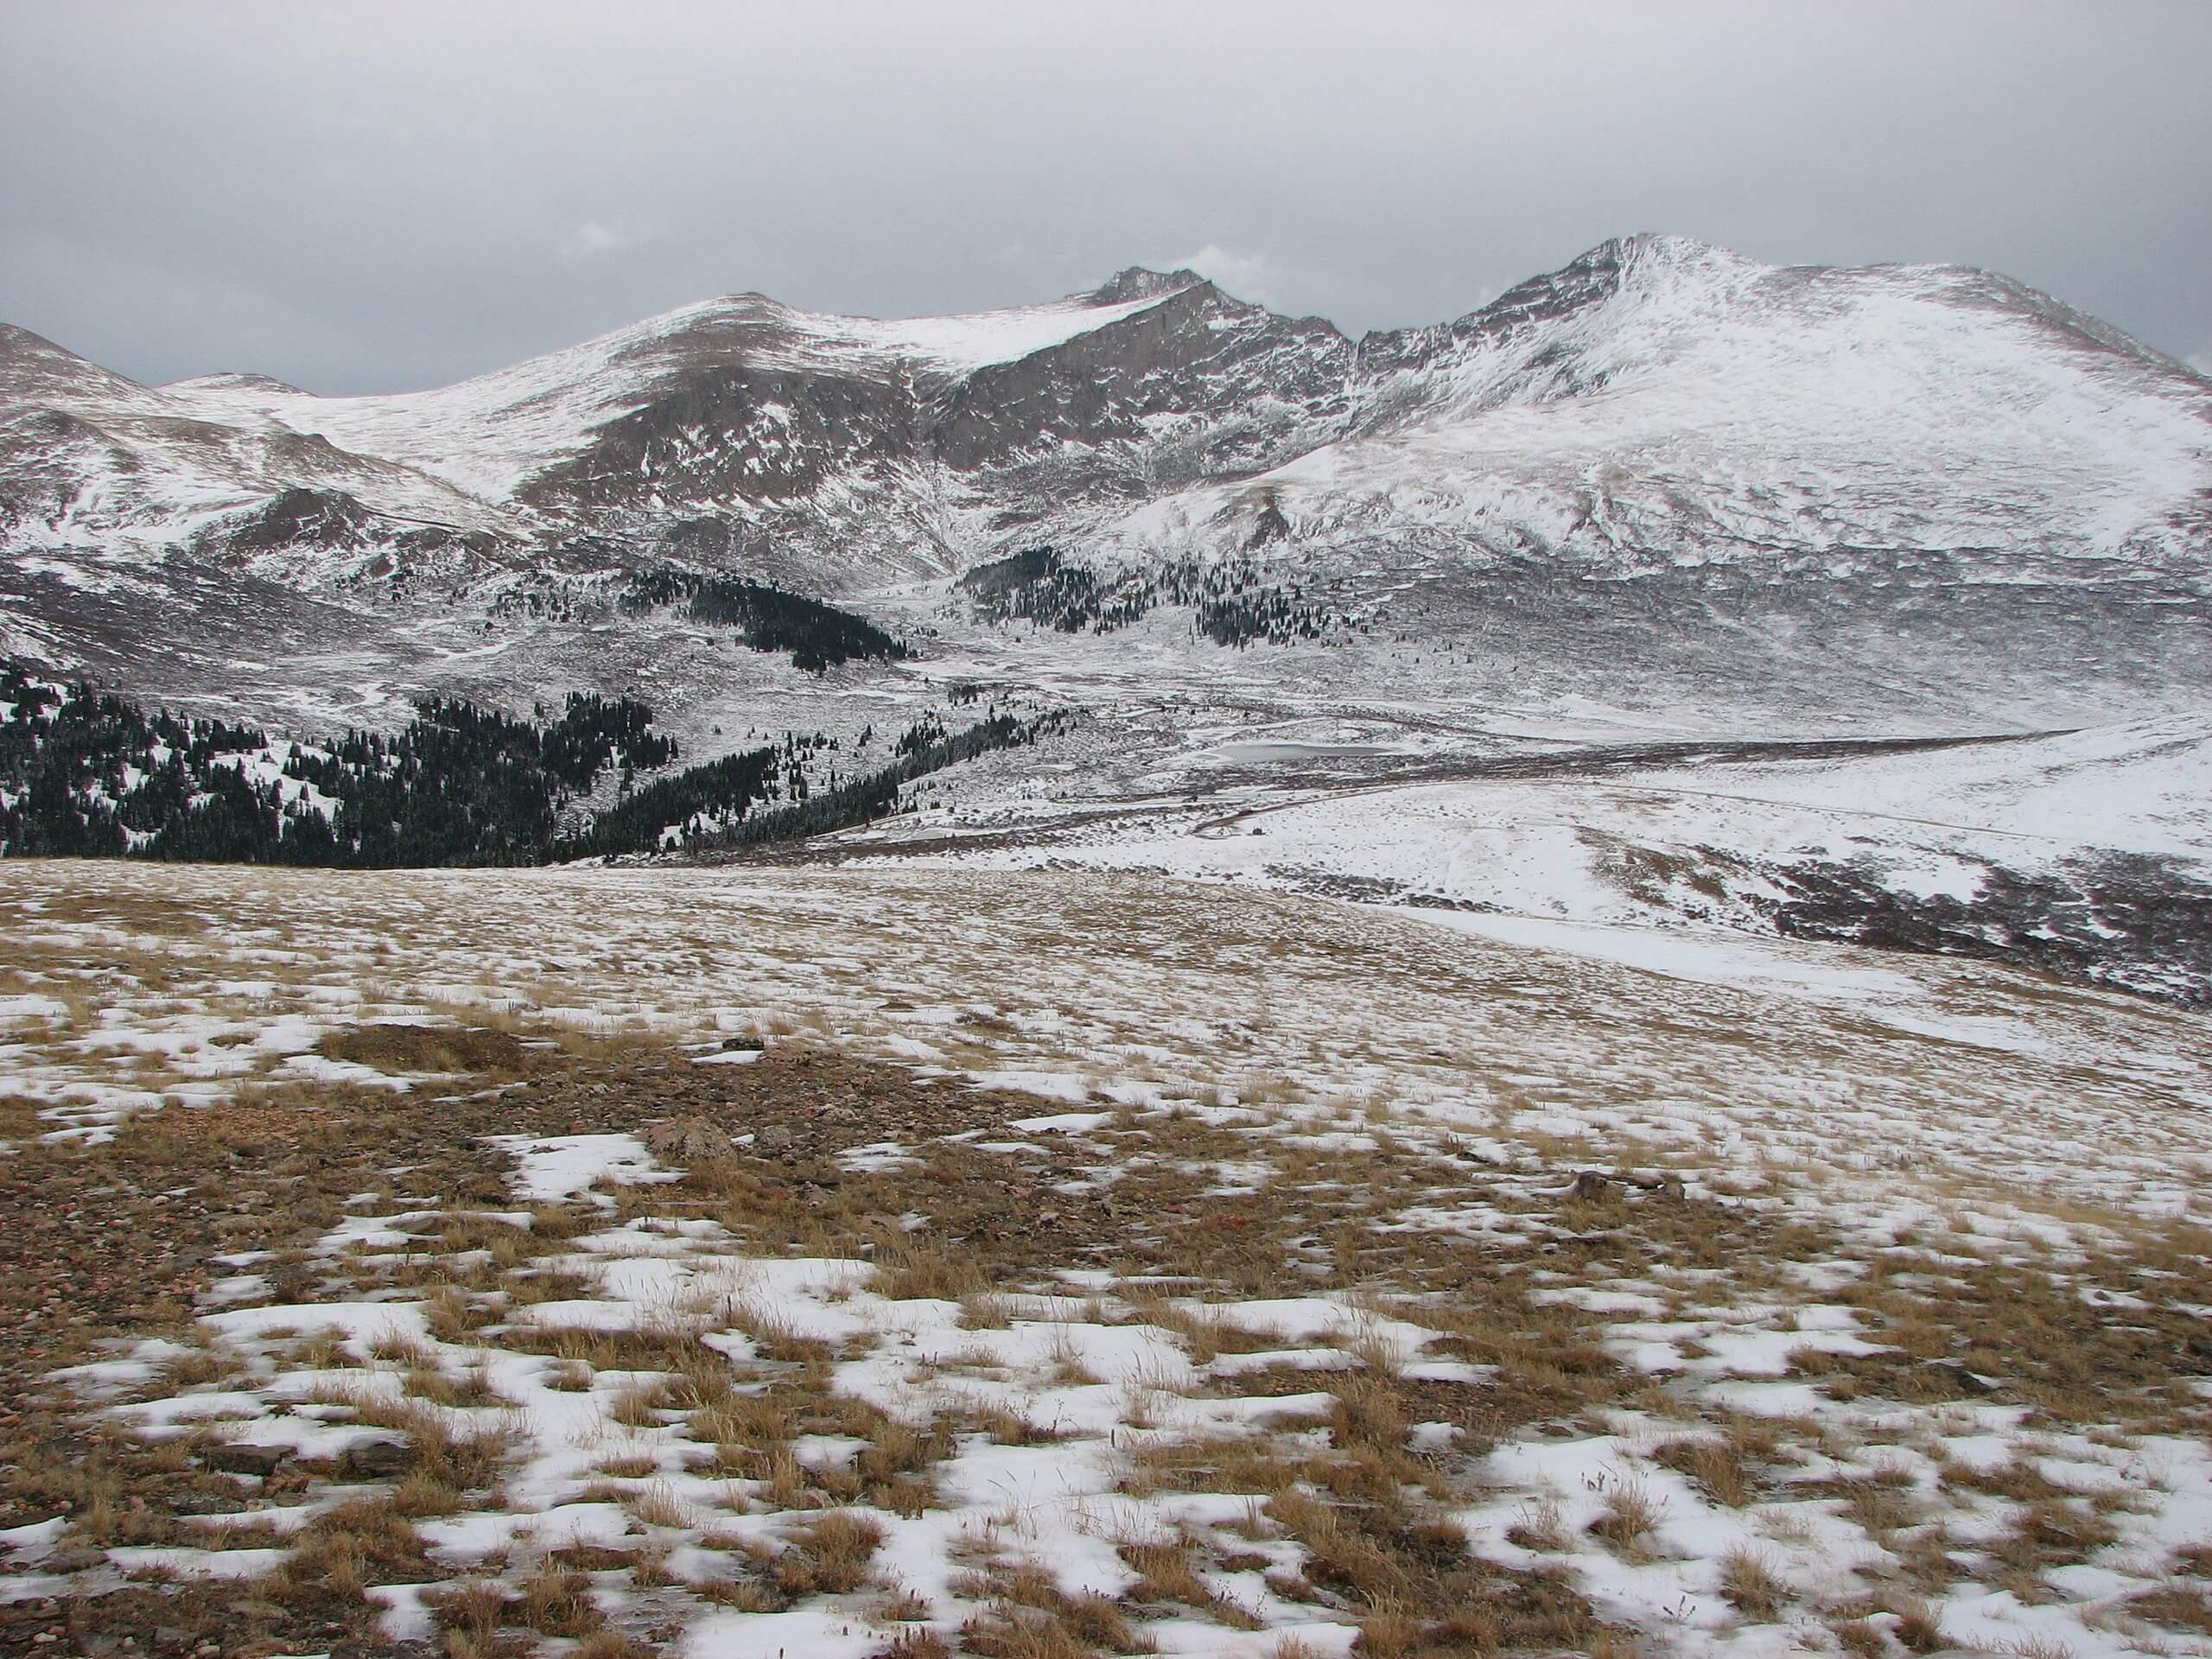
x: 817, y: 636
x: 89, y: 775
x: 1233, y: 602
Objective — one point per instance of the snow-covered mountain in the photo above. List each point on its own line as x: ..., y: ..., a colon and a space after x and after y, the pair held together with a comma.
x: 1663, y: 477
x: 880, y: 448
x: 1657, y: 400
x: 1660, y: 399
x: 1662, y: 497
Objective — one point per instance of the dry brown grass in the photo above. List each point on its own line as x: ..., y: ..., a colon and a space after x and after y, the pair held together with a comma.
x: 471, y: 1612
x: 347, y: 1547
x: 657, y: 1505
x: 1541, y: 1527
x: 1373, y: 1516
x: 609, y: 1644
x: 2054, y: 1532
x: 1630, y: 1516
x: 1166, y: 1573
x: 557, y: 1602
x: 829, y: 1556
x: 913, y: 1268
x: 422, y: 1496
x: 1882, y: 1500
x: 2179, y: 1606
x: 465, y: 1461
x: 405, y: 1048
x: 1715, y: 1465
x: 1750, y: 1586
x: 1030, y: 1617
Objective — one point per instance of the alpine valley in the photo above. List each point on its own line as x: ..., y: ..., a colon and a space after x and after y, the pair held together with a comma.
x: 1667, y: 590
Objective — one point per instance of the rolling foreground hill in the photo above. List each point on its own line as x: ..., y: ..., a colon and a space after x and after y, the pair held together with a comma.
x: 898, y: 1263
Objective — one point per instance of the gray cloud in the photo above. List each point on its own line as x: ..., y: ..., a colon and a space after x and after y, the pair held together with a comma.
x: 355, y: 198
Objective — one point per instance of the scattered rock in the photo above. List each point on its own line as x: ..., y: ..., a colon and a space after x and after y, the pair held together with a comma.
x: 686, y: 1140
x: 378, y: 1459
x: 1969, y: 1381
x: 262, y: 1460
x: 1596, y: 1184
x: 74, y: 1561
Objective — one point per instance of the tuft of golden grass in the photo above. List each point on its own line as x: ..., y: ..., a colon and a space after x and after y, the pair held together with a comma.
x: 1030, y: 1617
x: 559, y: 1602
x: 1630, y: 1514
x: 1715, y: 1465
x: 914, y: 1268
x: 657, y: 1505
x: 829, y: 1556
x: 403, y: 1048
x: 1749, y: 1584
x: 1165, y: 1571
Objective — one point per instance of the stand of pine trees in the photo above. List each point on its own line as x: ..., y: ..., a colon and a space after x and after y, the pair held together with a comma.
x: 1234, y: 600
x: 876, y: 794
x: 766, y: 619
x: 88, y: 775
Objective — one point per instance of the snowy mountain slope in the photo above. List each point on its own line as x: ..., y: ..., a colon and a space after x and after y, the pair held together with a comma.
x: 1660, y: 401
x: 493, y: 435
x: 1666, y: 486
x: 740, y: 413
x: 98, y: 466
x: 1656, y: 401
x: 2086, y: 855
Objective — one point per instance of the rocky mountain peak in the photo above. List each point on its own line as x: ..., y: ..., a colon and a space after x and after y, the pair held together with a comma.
x: 1657, y: 397
x: 1140, y: 283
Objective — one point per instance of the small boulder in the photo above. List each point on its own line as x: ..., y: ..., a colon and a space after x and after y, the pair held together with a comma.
x: 685, y: 1140
x: 378, y: 1459
x: 258, y: 1460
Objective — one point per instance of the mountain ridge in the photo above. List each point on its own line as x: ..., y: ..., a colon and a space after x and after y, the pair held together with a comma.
x: 698, y: 402
x: 1749, y: 451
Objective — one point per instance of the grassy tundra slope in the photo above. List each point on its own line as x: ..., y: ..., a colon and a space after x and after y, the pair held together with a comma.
x: 842, y: 1262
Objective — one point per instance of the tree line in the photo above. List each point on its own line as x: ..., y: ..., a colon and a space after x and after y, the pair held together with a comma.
x: 1233, y: 601
x: 84, y: 773
x: 766, y: 617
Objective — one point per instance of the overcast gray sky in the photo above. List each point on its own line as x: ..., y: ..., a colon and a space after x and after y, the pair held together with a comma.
x: 361, y: 197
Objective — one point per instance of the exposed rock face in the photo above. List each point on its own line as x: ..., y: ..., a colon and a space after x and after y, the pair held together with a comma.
x: 1244, y: 388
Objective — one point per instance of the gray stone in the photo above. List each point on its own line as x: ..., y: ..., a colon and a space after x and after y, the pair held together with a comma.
x: 261, y: 1460
x: 378, y: 1459
x: 686, y: 1139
